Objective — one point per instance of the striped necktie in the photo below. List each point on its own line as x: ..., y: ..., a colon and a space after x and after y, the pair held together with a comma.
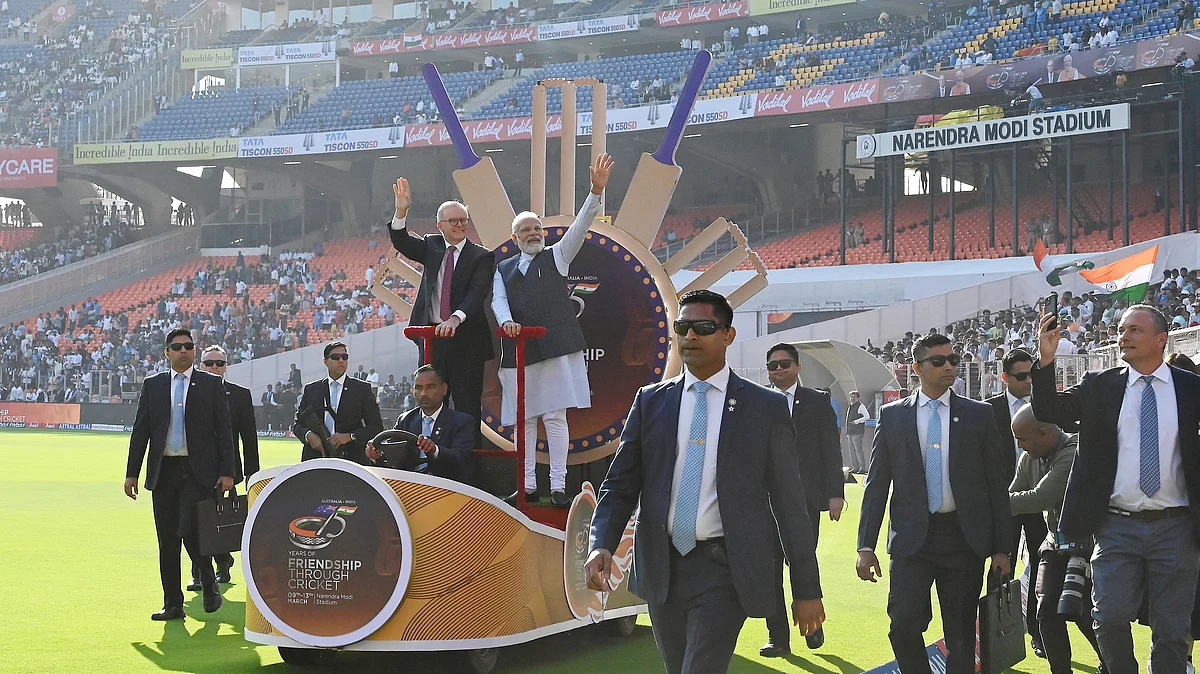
x: 1150, y: 474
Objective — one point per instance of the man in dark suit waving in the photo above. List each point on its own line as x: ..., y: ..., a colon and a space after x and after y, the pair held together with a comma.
x: 215, y: 361
x: 455, y: 281
x: 948, y: 471
x: 1131, y: 486
x: 446, y: 436
x: 820, y: 456
x: 351, y: 411
x: 698, y: 450
x: 183, y: 417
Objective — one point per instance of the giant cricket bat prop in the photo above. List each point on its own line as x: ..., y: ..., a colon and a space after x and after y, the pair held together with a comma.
x: 645, y: 203
x: 476, y: 176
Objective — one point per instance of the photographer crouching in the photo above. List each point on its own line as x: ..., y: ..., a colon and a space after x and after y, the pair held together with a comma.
x: 1063, y: 584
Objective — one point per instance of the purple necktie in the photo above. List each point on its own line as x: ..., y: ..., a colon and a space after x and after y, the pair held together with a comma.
x: 446, y: 277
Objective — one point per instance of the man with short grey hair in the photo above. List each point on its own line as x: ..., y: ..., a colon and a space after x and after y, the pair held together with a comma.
x: 452, y: 294
x: 530, y: 288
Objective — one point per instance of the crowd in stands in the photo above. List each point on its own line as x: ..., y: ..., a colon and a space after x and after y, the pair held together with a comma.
x: 256, y: 311
x: 81, y: 241
x: 1089, y: 320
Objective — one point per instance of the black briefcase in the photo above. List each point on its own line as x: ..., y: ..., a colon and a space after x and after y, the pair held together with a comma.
x: 1001, y: 627
x: 221, y: 520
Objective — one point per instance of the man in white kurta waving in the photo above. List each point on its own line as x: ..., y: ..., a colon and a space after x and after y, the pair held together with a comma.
x: 532, y: 289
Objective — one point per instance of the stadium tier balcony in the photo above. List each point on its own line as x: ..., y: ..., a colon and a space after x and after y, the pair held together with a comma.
x: 802, y: 65
x: 177, y: 8
x: 390, y: 27
x: 237, y: 38
x: 819, y: 246
x: 213, y: 114
x: 382, y: 99
x: 670, y: 66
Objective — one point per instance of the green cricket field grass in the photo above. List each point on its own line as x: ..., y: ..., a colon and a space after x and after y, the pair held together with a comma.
x: 80, y: 574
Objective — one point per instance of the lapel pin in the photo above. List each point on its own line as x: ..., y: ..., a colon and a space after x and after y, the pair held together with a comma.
x: 955, y: 420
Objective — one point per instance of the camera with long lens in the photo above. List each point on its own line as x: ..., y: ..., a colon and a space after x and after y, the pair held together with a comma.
x: 1074, y: 600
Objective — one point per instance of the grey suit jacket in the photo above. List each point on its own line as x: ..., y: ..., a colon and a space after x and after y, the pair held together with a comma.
x: 760, y: 495
x: 979, y: 470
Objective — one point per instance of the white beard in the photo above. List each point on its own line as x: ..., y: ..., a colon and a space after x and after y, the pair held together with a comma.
x: 532, y: 248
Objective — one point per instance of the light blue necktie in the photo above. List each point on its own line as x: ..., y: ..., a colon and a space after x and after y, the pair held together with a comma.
x: 177, y: 414
x: 933, y: 456
x: 427, y: 427
x: 335, y: 394
x: 687, y: 498
x: 1151, y: 478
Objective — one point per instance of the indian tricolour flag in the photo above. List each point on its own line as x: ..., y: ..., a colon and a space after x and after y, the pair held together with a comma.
x: 1127, y: 278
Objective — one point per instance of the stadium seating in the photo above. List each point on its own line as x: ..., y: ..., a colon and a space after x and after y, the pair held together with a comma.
x: 103, y: 26
x: 819, y: 246
x: 840, y: 61
x: 383, y: 98
x: 25, y: 8
x: 177, y: 8
x: 12, y: 239
x: 391, y: 27
x: 212, y: 114
x: 235, y: 38
x: 670, y: 66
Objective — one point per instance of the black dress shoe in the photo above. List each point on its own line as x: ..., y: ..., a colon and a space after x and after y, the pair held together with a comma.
x: 773, y: 651
x: 212, y: 602
x: 223, y: 576
x: 195, y: 585
x: 169, y: 613
x: 511, y: 499
x: 816, y: 639
x: 559, y: 499
x: 1037, y: 648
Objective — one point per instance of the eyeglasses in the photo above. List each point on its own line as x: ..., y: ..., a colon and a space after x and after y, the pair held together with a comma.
x: 456, y: 222
x: 214, y: 363
x: 1019, y: 376
x: 182, y: 346
x: 784, y: 363
x: 703, y: 327
x: 939, y: 361
x: 339, y: 356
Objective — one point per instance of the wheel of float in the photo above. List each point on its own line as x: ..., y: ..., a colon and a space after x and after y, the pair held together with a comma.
x: 481, y: 660
x: 623, y: 626
x: 306, y: 656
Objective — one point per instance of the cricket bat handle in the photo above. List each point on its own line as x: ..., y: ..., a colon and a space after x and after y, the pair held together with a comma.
x: 437, y: 88
x: 665, y: 154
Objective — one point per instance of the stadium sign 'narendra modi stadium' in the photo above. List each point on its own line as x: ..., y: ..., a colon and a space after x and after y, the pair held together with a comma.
x: 1012, y: 129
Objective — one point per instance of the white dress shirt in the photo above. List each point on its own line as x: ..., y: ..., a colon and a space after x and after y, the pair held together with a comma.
x: 1014, y: 405
x: 435, y: 299
x: 923, y: 411
x: 187, y: 383
x: 1127, y: 490
x: 708, y: 514
x: 791, y: 394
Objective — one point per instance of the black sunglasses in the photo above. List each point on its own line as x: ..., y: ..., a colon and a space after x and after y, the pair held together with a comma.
x: 703, y: 327
x: 182, y: 346
x: 214, y: 363
x: 939, y: 361
x: 1019, y: 376
x: 784, y: 363
x: 338, y: 356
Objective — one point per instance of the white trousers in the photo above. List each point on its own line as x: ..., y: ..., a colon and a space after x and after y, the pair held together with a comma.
x: 557, y: 437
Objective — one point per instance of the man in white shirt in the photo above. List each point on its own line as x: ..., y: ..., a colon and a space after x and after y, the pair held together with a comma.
x: 752, y: 34
x: 701, y: 569
x: 1131, y: 486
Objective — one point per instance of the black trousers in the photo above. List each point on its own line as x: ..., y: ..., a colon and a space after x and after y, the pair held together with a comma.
x: 174, y: 500
x: 1052, y: 570
x: 947, y: 561
x: 465, y: 378
x: 1035, y: 534
x: 697, y: 628
x: 779, y: 625
x: 223, y: 561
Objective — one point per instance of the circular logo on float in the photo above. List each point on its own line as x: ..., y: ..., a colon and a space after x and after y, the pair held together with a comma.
x: 624, y: 318
x: 327, y: 552
x: 584, y: 602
